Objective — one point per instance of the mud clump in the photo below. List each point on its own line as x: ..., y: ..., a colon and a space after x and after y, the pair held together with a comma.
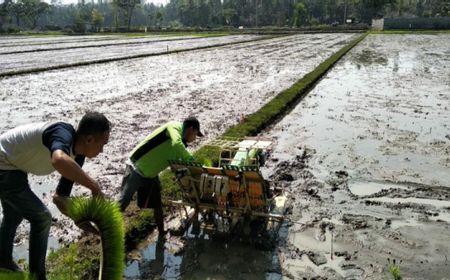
x: 317, y: 258
x: 285, y: 177
x: 338, y: 180
x: 347, y: 256
x: 356, y: 222
x: 294, y: 169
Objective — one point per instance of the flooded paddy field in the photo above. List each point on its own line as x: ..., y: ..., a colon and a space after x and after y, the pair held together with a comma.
x: 354, y: 208
x: 365, y: 159
x: 11, y: 48
x: 44, y: 59
x: 11, y: 41
x: 205, y: 81
x: 137, y: 95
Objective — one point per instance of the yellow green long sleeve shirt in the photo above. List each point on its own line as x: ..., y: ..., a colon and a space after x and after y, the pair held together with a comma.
x: 151, y: 156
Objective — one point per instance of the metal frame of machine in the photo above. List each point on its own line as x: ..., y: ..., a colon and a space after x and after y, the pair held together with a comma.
x: 235, y: 190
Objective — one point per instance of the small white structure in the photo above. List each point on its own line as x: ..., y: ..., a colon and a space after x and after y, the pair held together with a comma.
x: 377, y: 24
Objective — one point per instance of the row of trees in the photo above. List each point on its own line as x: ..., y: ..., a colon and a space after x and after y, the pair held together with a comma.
x: 210, y: 13
x: 26, y: 10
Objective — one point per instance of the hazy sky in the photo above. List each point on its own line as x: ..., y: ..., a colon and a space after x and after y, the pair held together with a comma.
x: 157, y: 1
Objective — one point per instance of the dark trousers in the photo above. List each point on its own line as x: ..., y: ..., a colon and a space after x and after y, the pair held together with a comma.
x: 148, y: 194
x: 148, y: 189
x: 18, y: 203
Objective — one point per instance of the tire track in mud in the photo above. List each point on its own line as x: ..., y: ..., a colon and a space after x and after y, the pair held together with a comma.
x: 114, y: 59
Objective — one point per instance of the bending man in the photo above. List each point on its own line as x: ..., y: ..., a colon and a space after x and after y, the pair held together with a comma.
x: 40, y: 149
x: 150, y: 157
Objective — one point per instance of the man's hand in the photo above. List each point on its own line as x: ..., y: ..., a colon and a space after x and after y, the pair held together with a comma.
x: 97, y: 192
x: 63, y: 203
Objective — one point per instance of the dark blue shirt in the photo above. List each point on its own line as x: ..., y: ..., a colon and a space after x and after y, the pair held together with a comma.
x: 61, y: 136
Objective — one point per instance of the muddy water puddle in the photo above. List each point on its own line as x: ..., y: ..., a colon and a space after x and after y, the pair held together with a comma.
x: 191, y: 257
x: 364, y: 188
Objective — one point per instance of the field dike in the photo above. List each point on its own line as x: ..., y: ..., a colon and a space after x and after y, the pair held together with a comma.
x: 106, y: 60
x: 81, y: 260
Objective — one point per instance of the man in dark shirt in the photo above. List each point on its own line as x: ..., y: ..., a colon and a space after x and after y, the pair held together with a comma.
x: 40, y: 149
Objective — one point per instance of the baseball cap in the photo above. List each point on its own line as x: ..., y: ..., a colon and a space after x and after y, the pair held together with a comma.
x: 193, y: 122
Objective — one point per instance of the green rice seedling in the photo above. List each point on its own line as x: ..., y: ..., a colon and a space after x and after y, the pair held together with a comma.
x: 109, y: 221
x: 394, y: 270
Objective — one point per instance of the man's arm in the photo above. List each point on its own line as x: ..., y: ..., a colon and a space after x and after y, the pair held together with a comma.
x: 64, y: 187
x: 70, y: 170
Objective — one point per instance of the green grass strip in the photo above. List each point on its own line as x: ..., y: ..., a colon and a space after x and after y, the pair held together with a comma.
x: 410, y: 31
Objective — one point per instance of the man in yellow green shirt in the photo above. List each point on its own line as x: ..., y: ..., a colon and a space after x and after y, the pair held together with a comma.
x: 150, y: 157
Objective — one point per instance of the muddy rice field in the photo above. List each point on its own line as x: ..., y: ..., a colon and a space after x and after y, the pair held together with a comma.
x: 53, y: 45
x: 364, y: 157
x: 15, y: 60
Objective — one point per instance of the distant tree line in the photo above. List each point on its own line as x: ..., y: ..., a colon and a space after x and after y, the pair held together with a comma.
x: 131, y: 14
